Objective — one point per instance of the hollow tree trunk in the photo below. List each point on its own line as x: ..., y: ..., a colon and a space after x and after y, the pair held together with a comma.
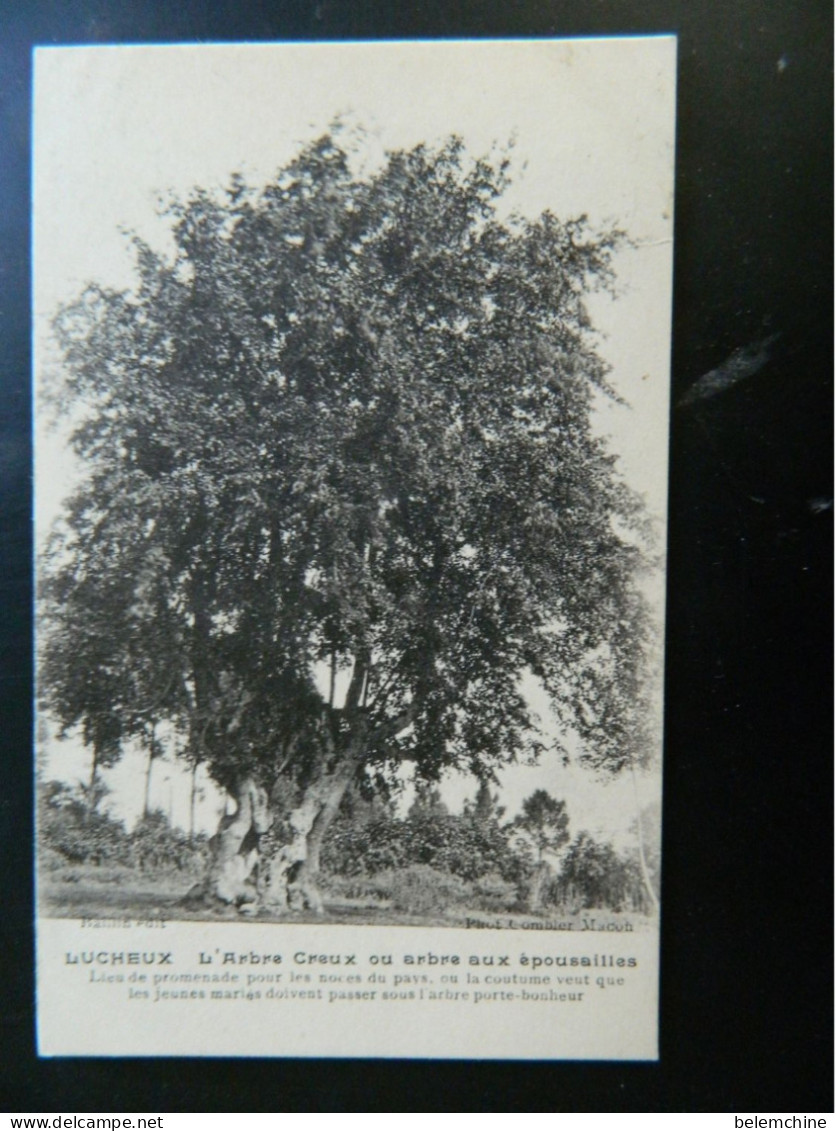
x: 289, y: 878
x: 231, y: 877
x: 292, y: 872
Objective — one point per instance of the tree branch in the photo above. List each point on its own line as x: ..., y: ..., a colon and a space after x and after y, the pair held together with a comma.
x: 393, y: 727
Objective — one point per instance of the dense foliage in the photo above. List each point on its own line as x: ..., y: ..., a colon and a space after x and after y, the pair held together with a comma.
x: 462, y: 845
x: 501, y: 870
x: 595, y: 875
x: 74, y: 832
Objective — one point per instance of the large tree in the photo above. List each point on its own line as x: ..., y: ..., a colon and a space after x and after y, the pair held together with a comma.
x: 341, y: 495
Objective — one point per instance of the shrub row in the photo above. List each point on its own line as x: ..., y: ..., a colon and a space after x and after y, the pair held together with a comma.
x: 72, y: 832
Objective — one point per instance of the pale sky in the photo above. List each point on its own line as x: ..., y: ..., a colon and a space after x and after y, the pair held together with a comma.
x: 117, y: 129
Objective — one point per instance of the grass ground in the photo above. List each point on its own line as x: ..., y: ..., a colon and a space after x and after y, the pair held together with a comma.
x: 102, y: 893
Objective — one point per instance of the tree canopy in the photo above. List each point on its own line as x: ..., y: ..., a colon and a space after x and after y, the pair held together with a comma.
x: 545, y: 820
x: 342, y: 491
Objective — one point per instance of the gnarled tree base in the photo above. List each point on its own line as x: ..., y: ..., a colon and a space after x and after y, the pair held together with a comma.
x: 233, y: 872
x: 261, y: 863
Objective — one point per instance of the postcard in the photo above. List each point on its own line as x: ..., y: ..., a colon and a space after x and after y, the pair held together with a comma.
x: 352, y: 385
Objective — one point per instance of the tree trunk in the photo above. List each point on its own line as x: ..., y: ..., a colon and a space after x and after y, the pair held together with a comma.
x: 192, y: 801
x: 232, y: 872
x: 92, y: 799
x: 535, y: 898
x: 146, y: 808
x: 291, y: 875
x: 648, y: 883
x: 289, y: 878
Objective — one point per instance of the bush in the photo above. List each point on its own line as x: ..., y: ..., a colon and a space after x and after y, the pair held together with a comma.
x: 463, y: 846
x: 375, y: 889
x: 363, y: 848
x: 420, y: 889
x: 78, y: 834
x: 594, y: 875
x: 50, y: 859
x: 493, y: 893
x: 157, y: 847
x: 70, y: 832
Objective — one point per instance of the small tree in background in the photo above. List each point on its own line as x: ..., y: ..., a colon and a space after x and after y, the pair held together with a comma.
x: 544, y: 823
x: 485, y: 805
x: 427, y: 802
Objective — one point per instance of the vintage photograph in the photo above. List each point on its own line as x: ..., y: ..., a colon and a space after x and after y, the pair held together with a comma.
x: 351, y: 451
x: 348, y: 606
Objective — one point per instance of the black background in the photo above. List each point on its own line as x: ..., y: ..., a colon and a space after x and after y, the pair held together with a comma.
x: 747, y: 902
